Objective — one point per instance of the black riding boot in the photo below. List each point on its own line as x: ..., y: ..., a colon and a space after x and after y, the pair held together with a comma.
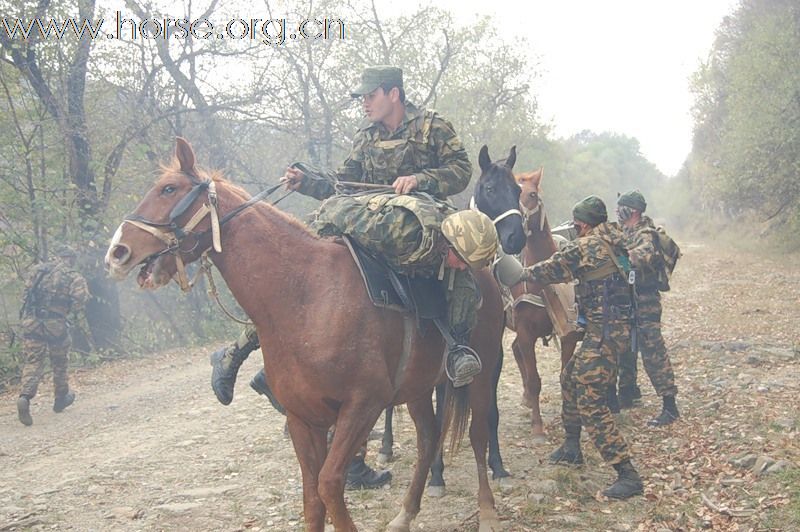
x: 362, y: 476
x: 24, y: 410
x: 611, y: 399
x: 628, y: 482
x: 259, y: 384
x: 627, y: 395
x: 226, y: 363
x: 669, y: 413
x: 569, y: 452
x: 63, y: 401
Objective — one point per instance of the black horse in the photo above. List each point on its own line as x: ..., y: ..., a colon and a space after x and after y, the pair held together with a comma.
x: 497, y: 195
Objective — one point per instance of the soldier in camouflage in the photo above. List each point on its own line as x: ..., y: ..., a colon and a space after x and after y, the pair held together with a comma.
x: 409, y: 149
x: 595, y: 259
x: 645, y: 256
x: 53, y: 290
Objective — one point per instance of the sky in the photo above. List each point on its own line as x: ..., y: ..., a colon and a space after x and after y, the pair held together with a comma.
x: 615, y: 65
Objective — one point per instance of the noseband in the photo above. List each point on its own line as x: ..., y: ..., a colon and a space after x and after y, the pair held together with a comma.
x: 473, y: 205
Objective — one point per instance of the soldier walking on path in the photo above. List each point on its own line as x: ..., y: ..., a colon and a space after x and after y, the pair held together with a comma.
x: 53, y: 290
x: 596, y: 259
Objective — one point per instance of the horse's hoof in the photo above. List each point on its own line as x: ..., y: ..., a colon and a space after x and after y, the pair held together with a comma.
x: 490, y: 525
x: 384, y: 458
x: 436, y: 491
x: 538, y: 439
x: 505, y: 483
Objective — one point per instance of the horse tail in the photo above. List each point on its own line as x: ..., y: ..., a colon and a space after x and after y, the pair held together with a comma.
x: 455, y: 419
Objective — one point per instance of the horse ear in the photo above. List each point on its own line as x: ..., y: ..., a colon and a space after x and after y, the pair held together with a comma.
x: 512, y: 158
x: 483, y: 158
x: 185, y: 155
x: 541, y: 177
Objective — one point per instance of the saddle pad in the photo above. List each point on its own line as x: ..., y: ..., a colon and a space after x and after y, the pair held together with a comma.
x: 421, y: 296
x: 560, y: 305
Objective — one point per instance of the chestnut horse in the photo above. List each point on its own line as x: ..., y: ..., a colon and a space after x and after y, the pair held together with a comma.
x: 531, y: 321
x: 332, y: 357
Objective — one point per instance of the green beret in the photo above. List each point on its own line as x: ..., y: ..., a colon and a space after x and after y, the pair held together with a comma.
x: 375, y: 76
x: 590, y: 210
x: 633, y: 199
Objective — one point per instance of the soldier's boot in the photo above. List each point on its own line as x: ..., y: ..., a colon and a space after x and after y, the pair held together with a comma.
x: 362, y: 476
x: 24, y: 410
x: 226, y: 363
x: 462, y: 365
x: 611, y: 399
x: 569, y: 452
x: 669, y: 413
x: 628, y: 482
x: 63, y: 401
x: 259, y: 384
x: 627, y: 395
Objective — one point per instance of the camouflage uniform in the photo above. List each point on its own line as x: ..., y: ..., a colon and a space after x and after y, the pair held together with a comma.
x: 58, y: 291
x: 425, y: 146
x: 642, y: 244
x: 606, y: 302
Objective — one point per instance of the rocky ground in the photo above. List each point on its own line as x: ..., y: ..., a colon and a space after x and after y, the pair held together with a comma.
x: 147, y: 447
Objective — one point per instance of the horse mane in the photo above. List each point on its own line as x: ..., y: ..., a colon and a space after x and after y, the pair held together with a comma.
x: 173, y: 167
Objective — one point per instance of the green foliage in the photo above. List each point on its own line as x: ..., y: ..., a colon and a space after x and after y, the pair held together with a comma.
x: 746, y: 154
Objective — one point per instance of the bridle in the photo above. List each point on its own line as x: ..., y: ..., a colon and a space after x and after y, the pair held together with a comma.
x: 528, y: 213
x: 172, y: 235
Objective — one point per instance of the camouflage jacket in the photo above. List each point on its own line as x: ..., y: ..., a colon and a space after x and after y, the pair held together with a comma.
x: 582, y: 259
x: 643, y: 252
x: 53, y: 290
x: 425, y: 145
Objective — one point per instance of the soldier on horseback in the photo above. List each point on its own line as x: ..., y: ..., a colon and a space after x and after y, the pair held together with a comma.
x: 413, y: 151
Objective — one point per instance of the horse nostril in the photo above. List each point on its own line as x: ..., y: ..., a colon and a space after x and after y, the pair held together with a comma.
x: 121, y: 253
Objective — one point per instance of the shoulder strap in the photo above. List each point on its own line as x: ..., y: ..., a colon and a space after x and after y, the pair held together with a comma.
x: 608, y: 268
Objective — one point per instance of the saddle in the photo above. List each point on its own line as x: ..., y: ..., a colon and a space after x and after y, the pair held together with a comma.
x: 422, y: 297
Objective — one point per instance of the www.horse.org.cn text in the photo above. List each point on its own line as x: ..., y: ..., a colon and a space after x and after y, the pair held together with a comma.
x: 269, y: 31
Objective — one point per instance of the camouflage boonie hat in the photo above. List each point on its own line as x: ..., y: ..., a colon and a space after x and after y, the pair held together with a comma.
x: 473, y: 236
x: 375, y: 76
x: 633, y: 199
x: 590, y: 210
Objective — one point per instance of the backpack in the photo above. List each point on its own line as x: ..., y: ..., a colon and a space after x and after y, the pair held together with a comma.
x: 670, y: 253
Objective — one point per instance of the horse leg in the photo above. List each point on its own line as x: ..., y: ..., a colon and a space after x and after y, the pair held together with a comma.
x: 537, y: 426
x: 436, y: 483
x: 353, y: 425
x: 479, y: 399
x: 387, y: 443
x: 311, y: 447
x: 526, y: 344
x: 428, y: 432
x: 495, y: 460
x: 519, y: 356
x: 568, y: 345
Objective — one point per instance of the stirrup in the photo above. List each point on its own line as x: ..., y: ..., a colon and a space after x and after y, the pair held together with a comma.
x: 468, y: 371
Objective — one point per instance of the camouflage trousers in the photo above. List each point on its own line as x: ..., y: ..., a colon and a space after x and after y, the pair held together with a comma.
x: 44, y: 340
x: 584, y: 383
x: 651, y: 345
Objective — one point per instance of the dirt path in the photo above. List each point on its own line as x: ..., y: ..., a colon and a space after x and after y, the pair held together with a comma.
x: 147, y: 447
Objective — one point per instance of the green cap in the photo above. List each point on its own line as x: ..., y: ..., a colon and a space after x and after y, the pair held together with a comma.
x: 633, y: 199
x: 375, y: 76
x: 590, y: 210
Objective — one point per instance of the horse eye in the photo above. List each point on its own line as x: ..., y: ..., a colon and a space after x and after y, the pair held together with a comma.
x: 168, y: 189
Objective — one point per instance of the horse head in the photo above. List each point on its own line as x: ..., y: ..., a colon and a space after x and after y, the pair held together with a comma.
x: 497, y: 195
x: 530, y: 200
x: 160, y: 234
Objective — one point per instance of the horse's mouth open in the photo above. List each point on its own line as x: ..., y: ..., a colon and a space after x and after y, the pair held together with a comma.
x: 146, y: 279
